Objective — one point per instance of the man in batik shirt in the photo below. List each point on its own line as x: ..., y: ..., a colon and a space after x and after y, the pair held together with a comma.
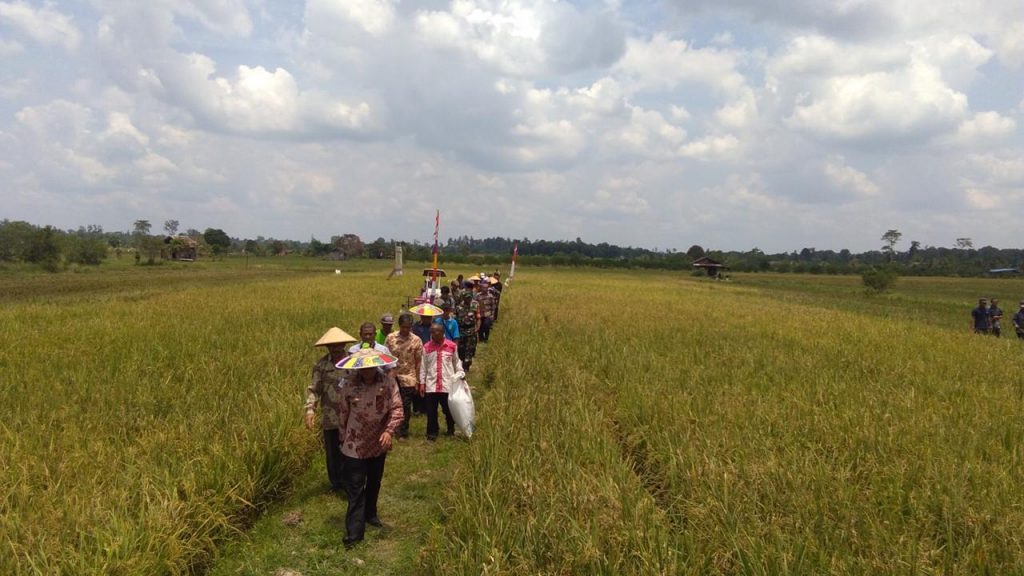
x: 408, y: 348
x: 369, y: 413
x: 325, y: 391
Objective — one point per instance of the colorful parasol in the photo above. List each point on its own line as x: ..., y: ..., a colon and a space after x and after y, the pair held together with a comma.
x: 367, y: 358
x: 426, y: 310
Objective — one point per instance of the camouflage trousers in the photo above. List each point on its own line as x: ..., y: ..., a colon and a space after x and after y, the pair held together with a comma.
x: 467, y: 347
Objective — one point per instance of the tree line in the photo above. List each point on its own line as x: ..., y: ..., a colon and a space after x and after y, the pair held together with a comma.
x: 52, y: 248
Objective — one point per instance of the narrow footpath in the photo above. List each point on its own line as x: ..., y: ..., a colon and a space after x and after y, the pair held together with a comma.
x: 301, y: 535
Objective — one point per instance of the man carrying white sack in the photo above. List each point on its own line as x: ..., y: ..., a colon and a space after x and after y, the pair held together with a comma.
x: 439, y: 371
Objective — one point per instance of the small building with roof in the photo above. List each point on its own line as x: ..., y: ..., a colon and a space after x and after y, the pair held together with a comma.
x: 713, y: 267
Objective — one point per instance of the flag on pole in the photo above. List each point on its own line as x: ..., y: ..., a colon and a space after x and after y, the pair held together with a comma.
x: 515, y: 253
x: 437, y: 224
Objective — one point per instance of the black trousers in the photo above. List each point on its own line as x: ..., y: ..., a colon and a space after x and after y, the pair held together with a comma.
x: 332, y: 446
x: 362, y: 484
x: 485, y: 329
x: 409, y: 396
x: 432, y: 399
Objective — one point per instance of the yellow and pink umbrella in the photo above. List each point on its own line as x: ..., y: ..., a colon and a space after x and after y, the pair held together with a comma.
x: 366, y: 358
x: 426, y: 310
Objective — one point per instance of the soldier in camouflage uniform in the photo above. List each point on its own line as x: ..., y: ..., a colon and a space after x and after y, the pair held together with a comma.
x: 468, y: 315
x: 325, y: 391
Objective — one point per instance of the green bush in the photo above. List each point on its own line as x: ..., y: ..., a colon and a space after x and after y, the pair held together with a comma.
x: 878, y: 279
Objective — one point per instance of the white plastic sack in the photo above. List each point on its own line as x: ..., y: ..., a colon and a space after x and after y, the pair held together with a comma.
x: 460, y: 402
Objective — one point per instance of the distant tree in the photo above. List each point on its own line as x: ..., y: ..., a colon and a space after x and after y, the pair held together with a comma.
x: 44, y: 249
x: 15, y: 239
x: 217, y: 239
x: 349, y: 244
x: 318, y: 248
x: 276, y: 247
x: 151, y: 247
x: 171, y: 227
x: 891, y: 237
x: 878, y: 279
x: 964, y: 243
x: 695, y: 252
x: 86, y: 246
x: 142, y: 227
x: 915, y: 246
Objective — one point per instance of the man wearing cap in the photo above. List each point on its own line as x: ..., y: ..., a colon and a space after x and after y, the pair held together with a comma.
x: 369, y: 412
x: 995, y: 314
x: 386, y: 322
x: 439, y: 370
x: 981, y: 322
x: 1018, y: 321
x: 468, y: 315
x: 325, y: 391
x: 408, y: 348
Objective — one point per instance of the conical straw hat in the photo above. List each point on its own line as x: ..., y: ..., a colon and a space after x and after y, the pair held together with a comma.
x: 335, y: 336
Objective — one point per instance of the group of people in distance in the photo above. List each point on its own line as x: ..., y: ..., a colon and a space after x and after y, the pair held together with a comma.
x: 986, y: 318
x: 367, y: 389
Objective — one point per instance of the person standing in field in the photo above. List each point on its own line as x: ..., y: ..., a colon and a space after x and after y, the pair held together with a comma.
x: 995, y: 314
x: 386, y: 322
x: 408, y: 348
x: 468, y: 315
x: 440, y: 369
x: 325, y: 391
x: 369, y: 413
x: 485, y: 300
x: 981, y: 322
x: 1018, y: 321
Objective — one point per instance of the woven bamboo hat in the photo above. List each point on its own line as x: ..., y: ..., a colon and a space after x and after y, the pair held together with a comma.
x: 335, y: 336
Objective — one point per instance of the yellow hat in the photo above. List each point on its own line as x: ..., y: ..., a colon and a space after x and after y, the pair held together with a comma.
x: 335, y: 336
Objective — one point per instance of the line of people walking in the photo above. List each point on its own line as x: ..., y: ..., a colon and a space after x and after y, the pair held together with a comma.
x: 987, y: 318
x: 368, y: 389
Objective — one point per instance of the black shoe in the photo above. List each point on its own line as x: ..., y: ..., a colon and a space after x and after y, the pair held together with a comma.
x: 450, y: 433
x: 375, y: 522
x: 350, y: 542
x: 432, y: 438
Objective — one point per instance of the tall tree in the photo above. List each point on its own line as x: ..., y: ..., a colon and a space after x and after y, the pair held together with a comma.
x: 171, y: 227
x: 891, y: 237
x: 217, y: 239
x: 142, y: 227
x: 964, y: 243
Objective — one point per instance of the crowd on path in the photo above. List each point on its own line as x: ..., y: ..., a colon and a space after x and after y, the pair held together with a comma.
x: 368, y: 389
x: 987, y: 318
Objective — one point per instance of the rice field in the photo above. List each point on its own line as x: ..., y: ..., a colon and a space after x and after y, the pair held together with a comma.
x: 646, y: 423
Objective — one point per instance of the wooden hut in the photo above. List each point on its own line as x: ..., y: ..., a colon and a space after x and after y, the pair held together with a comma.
x: 181, y: 247
x: 713, y: 267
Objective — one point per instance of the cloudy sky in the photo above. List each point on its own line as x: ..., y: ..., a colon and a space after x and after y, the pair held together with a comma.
x: 728, y: 123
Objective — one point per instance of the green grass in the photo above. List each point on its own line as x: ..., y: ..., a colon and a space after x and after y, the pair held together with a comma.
x: 635, y: 423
